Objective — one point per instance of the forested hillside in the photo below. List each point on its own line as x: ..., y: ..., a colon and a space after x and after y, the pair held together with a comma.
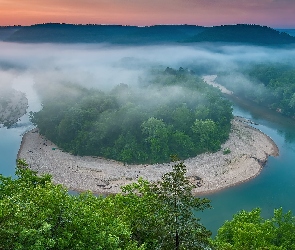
x: 6, y: 32
x: 271, y: 85
x: 118, y: 34
x: 174, y: 112
x: 134, y: 35
x: 243, y: 33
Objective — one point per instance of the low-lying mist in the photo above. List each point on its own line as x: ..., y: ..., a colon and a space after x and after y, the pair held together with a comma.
x: 103, y: 66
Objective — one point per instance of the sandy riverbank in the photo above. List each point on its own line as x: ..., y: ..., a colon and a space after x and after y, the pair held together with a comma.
x: 249, y: 148
x: 210, y: 79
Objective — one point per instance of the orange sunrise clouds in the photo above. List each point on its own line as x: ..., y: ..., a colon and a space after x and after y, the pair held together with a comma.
x: 273, y: 13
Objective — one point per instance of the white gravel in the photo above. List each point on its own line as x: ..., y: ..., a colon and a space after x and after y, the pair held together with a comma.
x: 249, y: 148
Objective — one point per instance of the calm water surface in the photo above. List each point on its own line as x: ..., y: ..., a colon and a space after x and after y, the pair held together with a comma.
x: 273, y: 188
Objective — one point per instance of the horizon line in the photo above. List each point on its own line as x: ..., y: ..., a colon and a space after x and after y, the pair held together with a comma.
x: 140, y: 26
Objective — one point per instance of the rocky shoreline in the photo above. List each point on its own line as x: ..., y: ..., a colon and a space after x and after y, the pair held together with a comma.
x: 241, y: 158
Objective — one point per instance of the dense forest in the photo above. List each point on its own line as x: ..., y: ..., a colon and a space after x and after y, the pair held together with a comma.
x: 36, y: 214
x: 174, y: 112
x: 114, y: 34
x: 134, y: 35
x: 270, y: 85
x: 243, y: 33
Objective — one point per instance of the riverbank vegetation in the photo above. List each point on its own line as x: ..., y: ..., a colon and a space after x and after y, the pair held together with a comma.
x: 36, y: 214
x: 172, y: 112
x: 270, y: 84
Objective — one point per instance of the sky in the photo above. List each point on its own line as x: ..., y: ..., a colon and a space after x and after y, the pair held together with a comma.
x: 273, y: 13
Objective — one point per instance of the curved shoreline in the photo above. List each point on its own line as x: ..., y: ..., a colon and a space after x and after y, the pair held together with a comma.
x: 211, y: 172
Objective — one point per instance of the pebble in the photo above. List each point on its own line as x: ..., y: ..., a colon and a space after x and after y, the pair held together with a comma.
x: 249, y: 149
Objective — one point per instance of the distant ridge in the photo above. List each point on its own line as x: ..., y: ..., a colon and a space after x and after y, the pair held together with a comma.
x: 291, y: 32
x: 7, y: 31
x: 243, y: 33
x: 118, y: 34
x: 134, y: 35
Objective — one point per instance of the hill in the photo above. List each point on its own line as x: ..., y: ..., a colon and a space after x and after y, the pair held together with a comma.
x: 157, y: 34
x: 291, y: 32
x: 243, y: 33
x: 6, y: 32
x: 118, y: 34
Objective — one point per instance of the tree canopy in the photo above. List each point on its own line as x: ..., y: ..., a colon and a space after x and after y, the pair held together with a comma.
x: 248, y: 230
x: 166, y: 115
x: 36, y: 214
x: 243, y: 33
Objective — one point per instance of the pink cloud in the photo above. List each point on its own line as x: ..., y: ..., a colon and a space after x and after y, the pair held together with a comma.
x: 141, y: 12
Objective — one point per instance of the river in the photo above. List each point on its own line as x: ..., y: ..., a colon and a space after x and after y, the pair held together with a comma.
x: 273, y: 188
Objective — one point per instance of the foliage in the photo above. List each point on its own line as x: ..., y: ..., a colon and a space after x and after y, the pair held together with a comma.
x: 248, y: 230
x: 226, y: 151
x: 36, y: 214
x: 174, y: 112
x: 163, y: 217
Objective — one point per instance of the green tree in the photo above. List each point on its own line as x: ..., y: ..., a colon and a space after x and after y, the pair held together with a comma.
x: 248, y: 230
x: 36, y: 214
x: 166, y: 215
x: 204, y: 133
x: 156, y: 133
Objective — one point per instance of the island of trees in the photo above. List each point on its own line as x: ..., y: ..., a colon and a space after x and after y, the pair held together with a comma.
x: 173, y: 112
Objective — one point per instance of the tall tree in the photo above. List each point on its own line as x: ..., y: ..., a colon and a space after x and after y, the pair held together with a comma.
x: 169, y: 206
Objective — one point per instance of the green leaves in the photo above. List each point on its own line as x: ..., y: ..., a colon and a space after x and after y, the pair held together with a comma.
x: 205, y: 131
x: 248, y: 230
x: 163, y: 217
x: 36, y: 214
